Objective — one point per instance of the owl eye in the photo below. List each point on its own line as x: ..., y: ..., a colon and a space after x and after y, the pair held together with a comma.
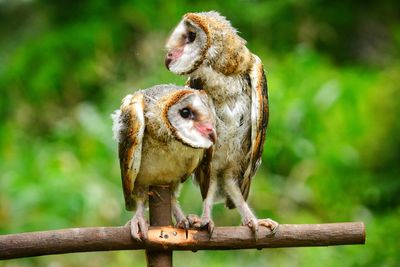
x: 191, y: 37
x: 185, y: 113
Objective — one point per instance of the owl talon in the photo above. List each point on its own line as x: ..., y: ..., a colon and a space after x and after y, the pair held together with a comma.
x: 184, y: 224
x: 139, y: 227
x: 270, y: 224
x: 254, y: 224
x: 207, y: 223
x: 210, y: 227
x: 194, y: 221
x: 203, y: 223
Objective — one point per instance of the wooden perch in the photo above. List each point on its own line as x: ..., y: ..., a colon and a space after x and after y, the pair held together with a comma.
x: 160, y: 215
x: 169, y: 238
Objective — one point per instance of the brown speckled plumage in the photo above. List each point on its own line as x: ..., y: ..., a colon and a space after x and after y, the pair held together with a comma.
x: 208, y: 49
x: 157, y: 145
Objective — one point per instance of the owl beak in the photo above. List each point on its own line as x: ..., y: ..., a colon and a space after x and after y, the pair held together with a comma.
x: 172, y: 55
x: 167, y: 61
x: 207, y: 130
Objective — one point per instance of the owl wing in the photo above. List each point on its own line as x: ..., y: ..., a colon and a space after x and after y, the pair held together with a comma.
x: 203, y: 172
x: 131, y: 129
x: 259, y: 122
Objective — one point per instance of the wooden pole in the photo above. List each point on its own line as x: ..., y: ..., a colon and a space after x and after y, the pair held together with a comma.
x: 224, y: 238
x: 160, y: 215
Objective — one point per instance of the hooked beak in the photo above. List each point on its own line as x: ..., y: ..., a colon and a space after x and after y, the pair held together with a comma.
x: 172, y: 55
x: 207, y: 130
x: 167, y: 61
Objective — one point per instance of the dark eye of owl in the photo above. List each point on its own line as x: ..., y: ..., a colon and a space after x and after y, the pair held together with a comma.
x: 191, y: 37
x: 185, y: 113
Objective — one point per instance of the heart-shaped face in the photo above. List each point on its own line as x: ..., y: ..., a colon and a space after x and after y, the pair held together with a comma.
x: 187, y: 45
x: 191, y: 118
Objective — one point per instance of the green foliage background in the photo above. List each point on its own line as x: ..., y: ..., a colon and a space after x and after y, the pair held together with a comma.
x: 333, y: 147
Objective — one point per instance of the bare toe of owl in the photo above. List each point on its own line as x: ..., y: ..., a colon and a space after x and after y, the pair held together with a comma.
x: 254, y: 223
x: 270, y: 224
x: 183, y: 224
x: 207, y: 223
x: 201, y: 223
x: 194, y: 221
x: 139, y: 227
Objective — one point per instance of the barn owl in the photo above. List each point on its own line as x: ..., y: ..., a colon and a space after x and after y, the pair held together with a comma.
x: 205, y: 47
x: 164, y: 133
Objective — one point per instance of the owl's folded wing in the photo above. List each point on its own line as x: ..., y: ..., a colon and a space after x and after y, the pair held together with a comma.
x: 259, y: 122
x: 129, y: 131
x: 202, y: 173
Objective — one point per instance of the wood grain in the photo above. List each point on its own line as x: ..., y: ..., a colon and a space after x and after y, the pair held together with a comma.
x: 224, y: 238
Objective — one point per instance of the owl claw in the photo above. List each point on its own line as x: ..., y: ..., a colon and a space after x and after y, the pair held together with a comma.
x: 210, y: 227
x: 194, y: 220
x: 270, y: 224
x: 139, y: 227
x: 201, y: 223
x: 254, y: 224
x: 184, y: 224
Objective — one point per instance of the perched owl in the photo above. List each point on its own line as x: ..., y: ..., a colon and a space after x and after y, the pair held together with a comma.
x: 164, y: 134
x: 205, y: 47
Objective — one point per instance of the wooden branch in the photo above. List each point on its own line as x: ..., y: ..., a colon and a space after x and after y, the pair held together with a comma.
x: 168, y: 238
x: 160, y: 215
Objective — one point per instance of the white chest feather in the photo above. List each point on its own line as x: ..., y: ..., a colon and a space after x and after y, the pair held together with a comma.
x: 164, y: 163
x: 232, y: 100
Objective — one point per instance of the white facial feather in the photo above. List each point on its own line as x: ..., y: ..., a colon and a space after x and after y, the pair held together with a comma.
x: 192, y: 52
x: 185, y: 128
x: 175, y: 36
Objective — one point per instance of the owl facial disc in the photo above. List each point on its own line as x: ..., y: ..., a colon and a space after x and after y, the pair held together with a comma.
x: 191, y: 120
x: 186, y: 47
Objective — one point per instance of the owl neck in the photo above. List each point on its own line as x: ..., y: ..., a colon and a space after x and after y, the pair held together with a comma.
x: 221, y: 88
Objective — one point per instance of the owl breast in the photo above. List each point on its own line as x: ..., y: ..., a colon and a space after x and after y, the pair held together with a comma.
x: 232, y: 101
x: 166, y: 162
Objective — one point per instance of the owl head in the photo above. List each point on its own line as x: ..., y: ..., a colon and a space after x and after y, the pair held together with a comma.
x: 205, y: 39
x: 188, y: 114
x: 167, y: 112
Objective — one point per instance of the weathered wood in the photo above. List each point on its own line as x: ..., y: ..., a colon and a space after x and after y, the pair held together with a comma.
x: 160, y: 215
x: 224, y: 238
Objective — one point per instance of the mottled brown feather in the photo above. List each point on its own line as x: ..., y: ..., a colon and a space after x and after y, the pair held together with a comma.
x: 263, y: 115
x: 128, y: 144
x: 202, y: 174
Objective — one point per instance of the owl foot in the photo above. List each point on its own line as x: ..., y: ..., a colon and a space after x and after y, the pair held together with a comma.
x: 139, y: 227
x: 254, y: 223
x: 184, y: 224
x: 201, y: 223
x: 194, y: 220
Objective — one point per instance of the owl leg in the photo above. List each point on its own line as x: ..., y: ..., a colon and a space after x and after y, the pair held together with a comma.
x: 139, y: 225
x: 181, y: 220
x: 248, y: 218
x: 206, y: 222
